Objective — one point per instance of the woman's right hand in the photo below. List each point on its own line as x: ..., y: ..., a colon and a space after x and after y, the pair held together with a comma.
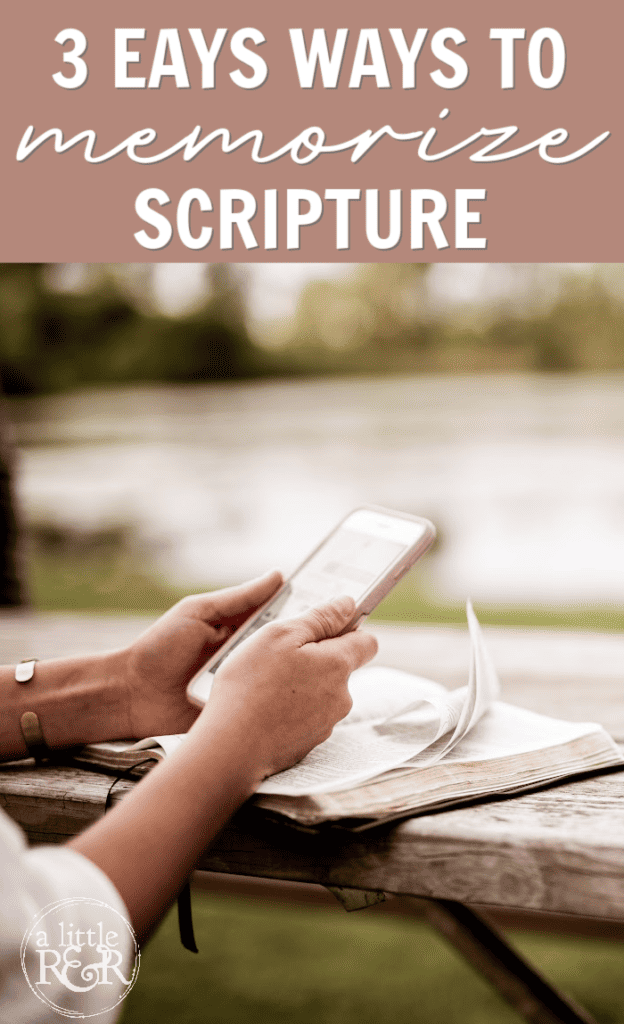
x: 274, y: 698
x: 281, y: 692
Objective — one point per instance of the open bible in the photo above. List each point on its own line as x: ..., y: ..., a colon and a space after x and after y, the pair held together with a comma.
x: 407, y: 746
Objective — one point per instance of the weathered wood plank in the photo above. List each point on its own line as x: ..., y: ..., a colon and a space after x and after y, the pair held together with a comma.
x: 558, y: 850
x: 56, y: 635
x: 514, y: 853
x: 54, y: 803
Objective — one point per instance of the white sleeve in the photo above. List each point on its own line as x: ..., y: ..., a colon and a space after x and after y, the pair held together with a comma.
x: 56, y: 908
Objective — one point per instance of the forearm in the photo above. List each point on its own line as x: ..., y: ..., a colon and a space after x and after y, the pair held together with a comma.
x: 274, y: 699
x: 77, y: 700
x: 150, y: 842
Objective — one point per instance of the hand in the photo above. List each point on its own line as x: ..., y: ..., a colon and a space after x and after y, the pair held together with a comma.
x: 281, y: 692
x: 157, y: 667
x: 274, y: 698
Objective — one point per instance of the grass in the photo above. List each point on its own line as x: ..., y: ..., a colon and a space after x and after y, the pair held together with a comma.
x: 108, y: 579
x: 407, y: 604
x: 102, y: 580
x: 275, y: 964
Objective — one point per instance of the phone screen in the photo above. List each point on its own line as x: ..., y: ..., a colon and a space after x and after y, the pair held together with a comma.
x: 350, y: 562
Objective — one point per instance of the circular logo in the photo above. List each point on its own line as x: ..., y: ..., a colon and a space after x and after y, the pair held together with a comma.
x: 80, y: 957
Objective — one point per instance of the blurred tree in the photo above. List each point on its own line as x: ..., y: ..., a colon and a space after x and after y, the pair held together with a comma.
x: 212, y: 343
x: 395, y: 297
x: 20, y: 285
x: 51, y: 339
x: 12, y: 590
x: 378, y: 318
x: 54, y: 338
x: 380, y: 303
x: 103, y: 326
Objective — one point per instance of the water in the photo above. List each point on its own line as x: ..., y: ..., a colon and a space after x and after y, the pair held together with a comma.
x: 523, y: 475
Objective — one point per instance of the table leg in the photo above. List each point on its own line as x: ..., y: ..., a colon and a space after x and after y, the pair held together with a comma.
x: 486, y: 949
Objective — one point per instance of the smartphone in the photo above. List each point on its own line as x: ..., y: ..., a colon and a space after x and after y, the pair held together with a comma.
x: 364, y: 557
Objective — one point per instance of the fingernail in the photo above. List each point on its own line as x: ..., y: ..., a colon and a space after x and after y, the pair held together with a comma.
x: 344, y: 605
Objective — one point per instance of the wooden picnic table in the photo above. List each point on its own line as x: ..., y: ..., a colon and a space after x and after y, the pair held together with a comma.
x: 557, y: 851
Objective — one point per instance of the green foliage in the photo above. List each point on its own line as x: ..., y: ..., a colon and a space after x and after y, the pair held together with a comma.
x: 54, y: 340
x: 294, y: 965
x: 379, y: 319
x: 409, y: 603
x: 12, y: 590
x: 101, y: 579
x: 383, y: 319
x: 104, y: 575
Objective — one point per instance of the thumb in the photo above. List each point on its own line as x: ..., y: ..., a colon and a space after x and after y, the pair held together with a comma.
x: 229, y: 604
x: 324, y: 621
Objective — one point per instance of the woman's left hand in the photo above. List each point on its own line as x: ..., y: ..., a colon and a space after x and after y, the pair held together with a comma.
x: 157, y: 667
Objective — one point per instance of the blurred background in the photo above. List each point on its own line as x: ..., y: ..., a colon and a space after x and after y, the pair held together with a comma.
x: 178, y: 426
x: 170, y: 427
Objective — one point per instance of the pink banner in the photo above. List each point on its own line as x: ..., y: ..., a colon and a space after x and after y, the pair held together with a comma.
x: 324, y: 132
